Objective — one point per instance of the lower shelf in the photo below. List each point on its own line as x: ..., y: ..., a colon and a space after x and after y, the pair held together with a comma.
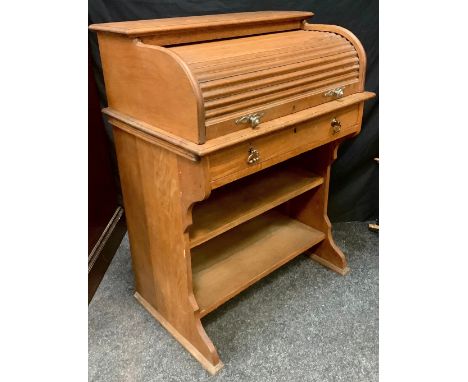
x: 228, y: 264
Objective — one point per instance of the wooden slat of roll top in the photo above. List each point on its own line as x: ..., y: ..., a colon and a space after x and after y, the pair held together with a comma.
x: 285, y: 106
x: 288, y: 53
x: 300, y: 48
x: 225, y: 124
x: 299, y: 86
x: 211, y: 112
x: 208, y: 51
x: 248, y: 67
x: 253, y: 62
x: 247, y: 74
x: 276, y: 74
x: 225, y: 90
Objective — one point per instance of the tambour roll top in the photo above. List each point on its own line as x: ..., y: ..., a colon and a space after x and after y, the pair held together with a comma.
x: 204, y: 77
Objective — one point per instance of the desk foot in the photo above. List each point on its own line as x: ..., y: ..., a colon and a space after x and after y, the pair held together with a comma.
x: 185, y: 342
x: 329, y: 255
x: 333, y: 267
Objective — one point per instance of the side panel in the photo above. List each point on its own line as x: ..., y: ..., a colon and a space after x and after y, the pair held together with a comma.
x: 151, y: 84
x: 159, y: 189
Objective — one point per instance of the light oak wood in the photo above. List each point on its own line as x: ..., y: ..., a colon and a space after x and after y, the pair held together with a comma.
x: 212, y: 205
x: 179, y: 337
x: 374, y: 227
x: 311, y: 208
x: 158, y: 217
x: 272, y: 74
x: 351, y: 38
x: 152, y: 84
x: 193, y: 151
x: 230, y: 263
x: 231, y: 164
x: 342, y: 271
x: 216, y: 33
x: 198, y: 91
x: 230, y: 206
x: 236, y: 85
x: 179, y: 30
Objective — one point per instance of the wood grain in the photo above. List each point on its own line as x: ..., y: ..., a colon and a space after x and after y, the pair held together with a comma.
x: 230, y: 263
x: 198, y: 91
x: 361, y: 53
x: 155, y: 135
x: 231, y: 164
x: 179, y: 337
x: 311, y: 208
x: 230, y: 206
x: 179, y: 29
x: 153, y: 85
x: 203, y: 223
x: 272, y: 74
x: 157, y: 217
x: 172, y: 38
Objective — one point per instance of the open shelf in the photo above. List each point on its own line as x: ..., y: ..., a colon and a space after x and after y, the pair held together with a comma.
x: 229, y: 206
x: 228, y: 264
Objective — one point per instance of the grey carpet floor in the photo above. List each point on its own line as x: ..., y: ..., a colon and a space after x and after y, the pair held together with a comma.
x: 301, y: 323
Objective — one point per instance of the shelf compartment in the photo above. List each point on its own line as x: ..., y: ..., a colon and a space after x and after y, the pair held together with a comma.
x: 228, y: 264
x: 229, y: 206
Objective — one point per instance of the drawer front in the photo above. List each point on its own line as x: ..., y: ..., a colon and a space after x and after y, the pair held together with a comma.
x: 275, y: 110
x: 248, y: 157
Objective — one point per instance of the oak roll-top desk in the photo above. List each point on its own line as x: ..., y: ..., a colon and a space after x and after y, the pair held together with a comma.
x: 225, y: 129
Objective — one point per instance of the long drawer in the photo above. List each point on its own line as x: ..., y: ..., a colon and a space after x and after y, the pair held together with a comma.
x: 248, y: 157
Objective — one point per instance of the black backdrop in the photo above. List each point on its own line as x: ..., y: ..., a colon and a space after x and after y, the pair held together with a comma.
x: 354, y: 180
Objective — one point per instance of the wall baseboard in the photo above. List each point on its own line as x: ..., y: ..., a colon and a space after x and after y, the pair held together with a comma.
x: 103, y: 252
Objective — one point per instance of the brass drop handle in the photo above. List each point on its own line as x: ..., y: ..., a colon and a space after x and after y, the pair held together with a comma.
x: 253, y: 119
x: 336, y: 93
x: 336, y: 125
x: 253, y: 157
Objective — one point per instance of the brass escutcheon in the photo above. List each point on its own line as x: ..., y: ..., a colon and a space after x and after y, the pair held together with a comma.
x: 254, y: 156
x: 336, y: 125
